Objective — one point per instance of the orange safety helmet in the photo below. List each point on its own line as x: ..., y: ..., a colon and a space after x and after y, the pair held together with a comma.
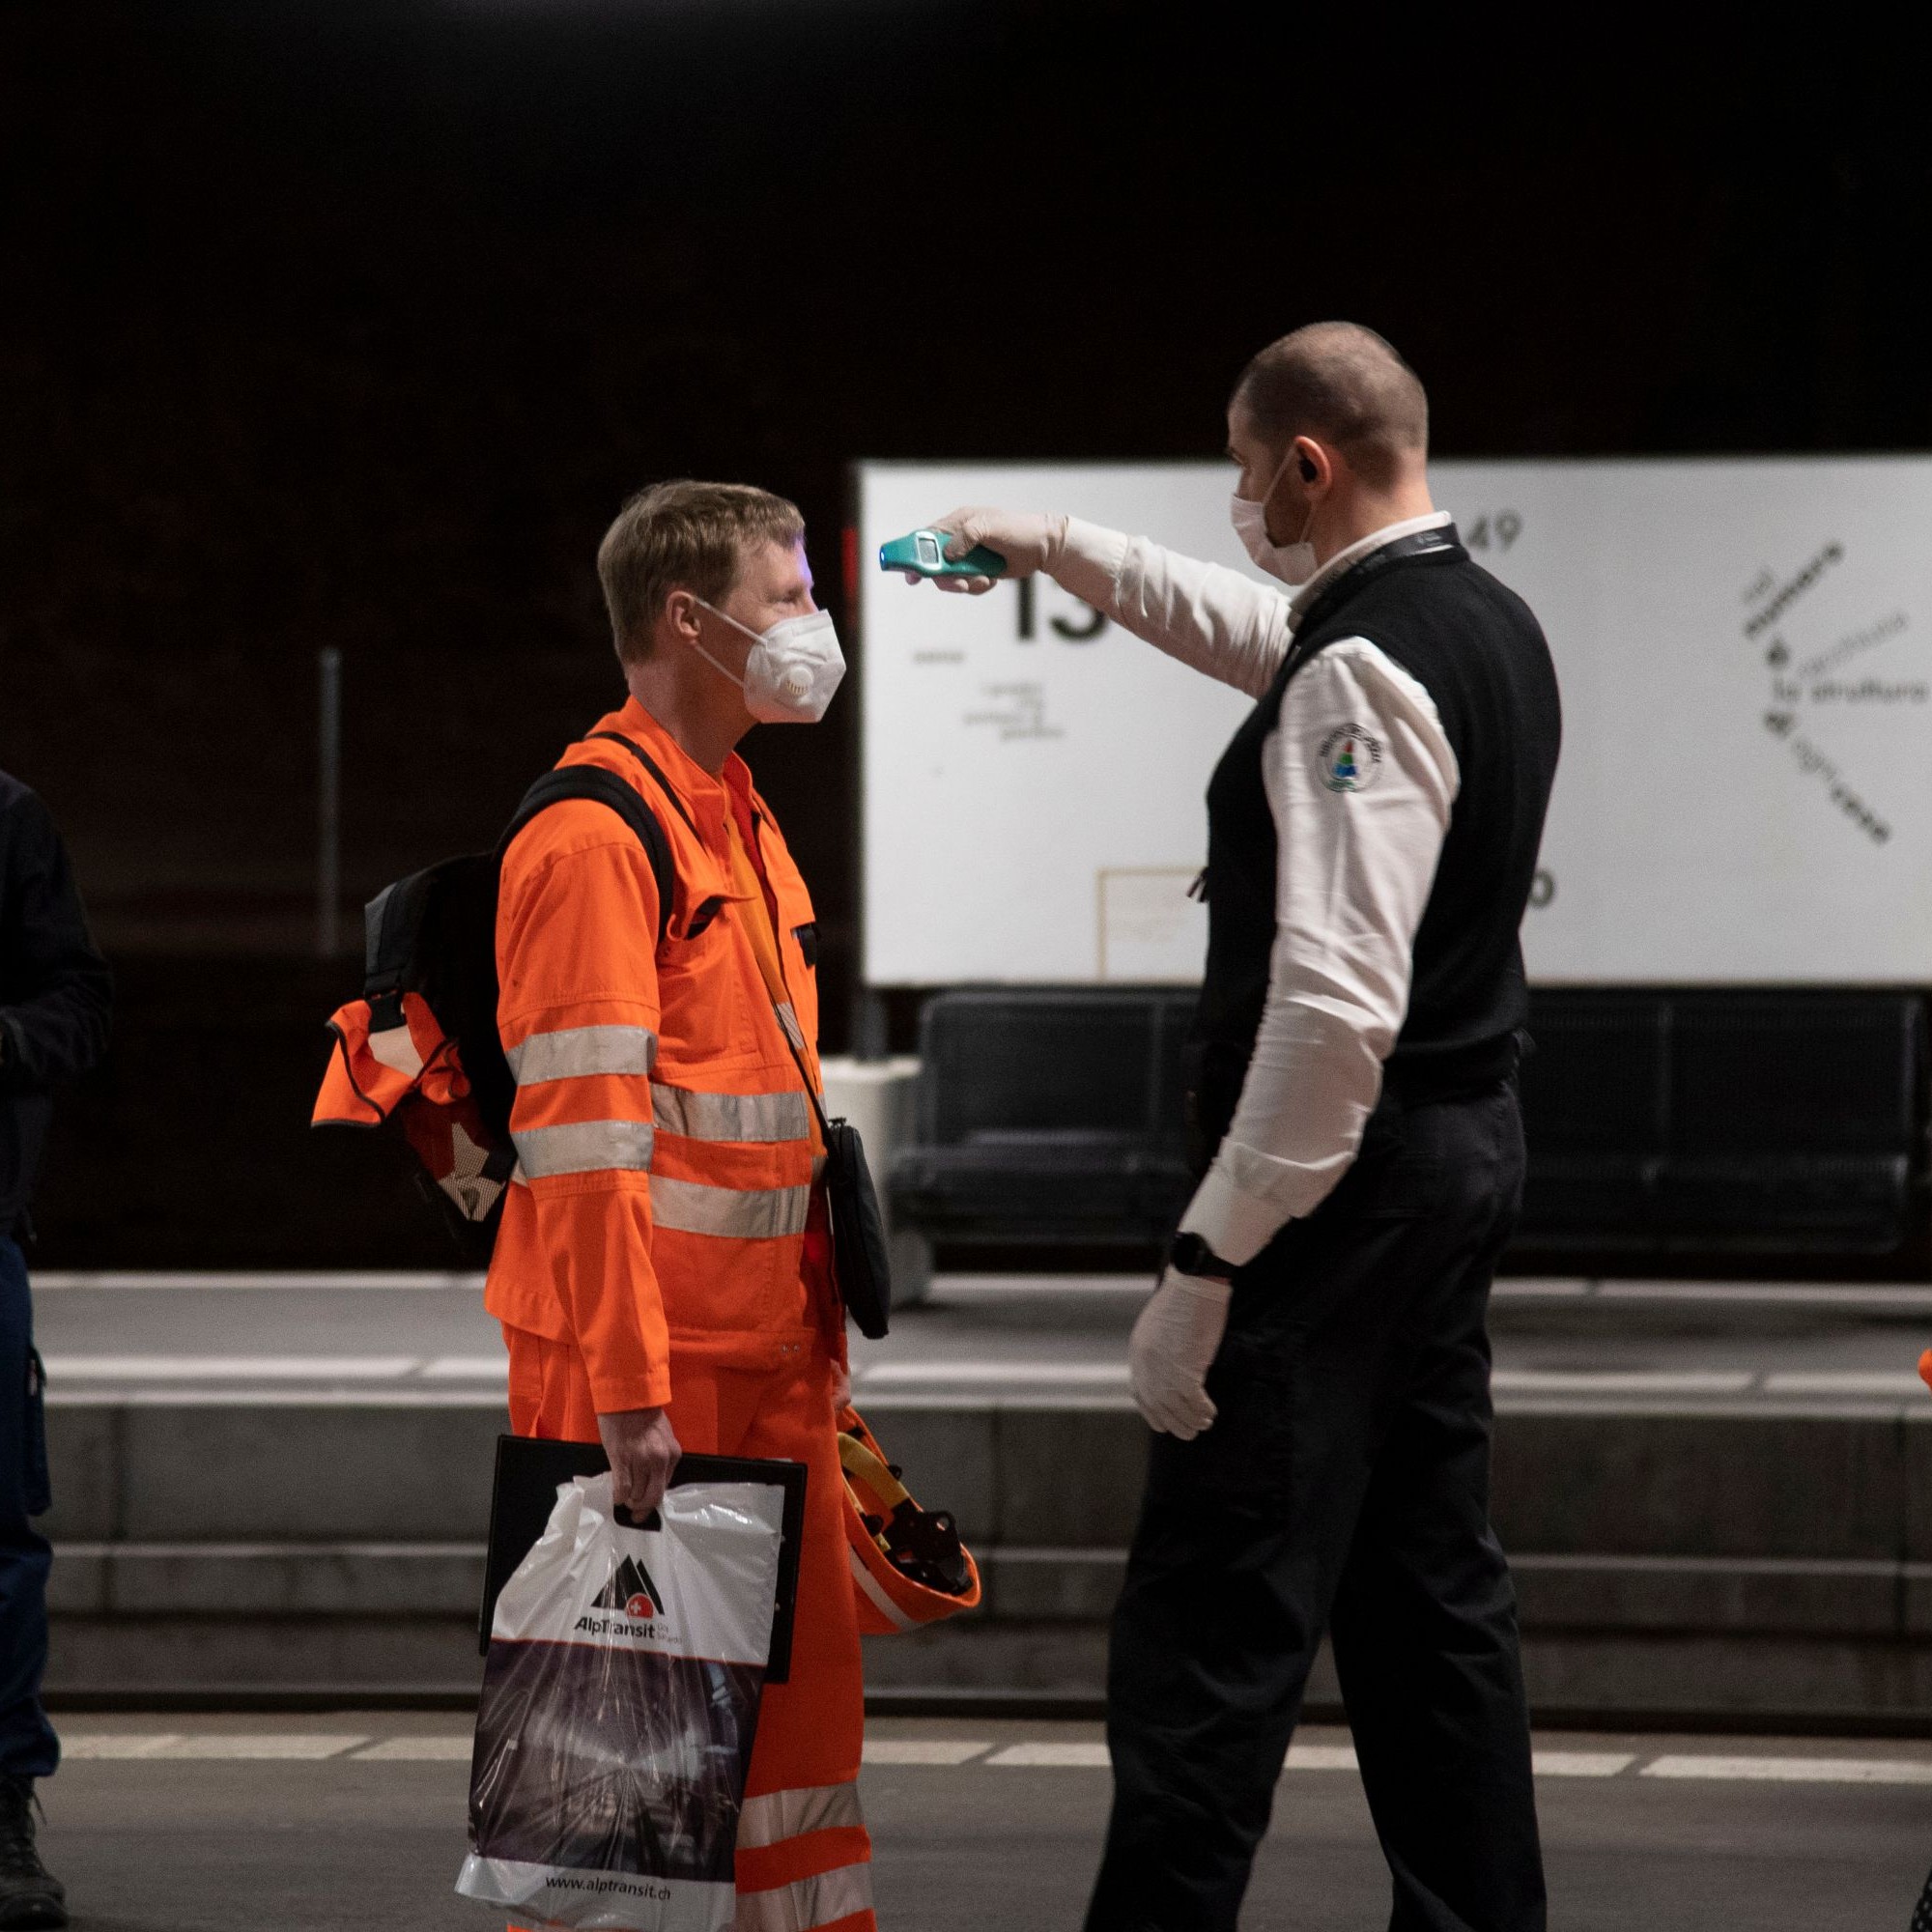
x: 908, y: 1564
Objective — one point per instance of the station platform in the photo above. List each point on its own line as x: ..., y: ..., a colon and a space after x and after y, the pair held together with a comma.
x: 229, y: 1822
x: 1717, y: 1496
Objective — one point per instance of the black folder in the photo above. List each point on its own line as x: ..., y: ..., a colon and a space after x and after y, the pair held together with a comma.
x: 530, y: 1471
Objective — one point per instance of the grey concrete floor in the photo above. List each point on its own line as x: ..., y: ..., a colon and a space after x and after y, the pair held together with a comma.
x: 177, y: 1842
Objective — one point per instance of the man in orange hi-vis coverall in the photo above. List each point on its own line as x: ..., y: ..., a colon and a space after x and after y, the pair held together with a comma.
x: 663, y: 1269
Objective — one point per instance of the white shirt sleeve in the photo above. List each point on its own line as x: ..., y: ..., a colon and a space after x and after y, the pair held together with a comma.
x: 1360, y: 778
x: 1212, y: 618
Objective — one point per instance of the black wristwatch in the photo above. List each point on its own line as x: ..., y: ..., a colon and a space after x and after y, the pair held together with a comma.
x: 1189, y: 1254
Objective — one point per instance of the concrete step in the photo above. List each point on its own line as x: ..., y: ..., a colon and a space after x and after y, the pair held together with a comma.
x: 1608, y: 1680
x: 1019, y: 1585
x: 1841, y: 1481
x: 1766, y: 1557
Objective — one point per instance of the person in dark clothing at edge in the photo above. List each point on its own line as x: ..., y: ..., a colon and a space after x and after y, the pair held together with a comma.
x: 55, y: 996
x: 1316, y: 1357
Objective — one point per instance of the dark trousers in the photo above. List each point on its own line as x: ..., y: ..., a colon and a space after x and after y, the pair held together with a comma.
x: 1345, y: 1486
x: 28, y: 1747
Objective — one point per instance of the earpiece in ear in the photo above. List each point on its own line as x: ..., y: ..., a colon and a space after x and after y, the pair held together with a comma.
x: 1307, y: 470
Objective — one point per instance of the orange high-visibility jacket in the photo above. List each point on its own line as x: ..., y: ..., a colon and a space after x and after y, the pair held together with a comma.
x: 664, y: 1138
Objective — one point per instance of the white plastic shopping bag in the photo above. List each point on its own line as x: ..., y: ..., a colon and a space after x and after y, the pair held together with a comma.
x: 620, y: 1698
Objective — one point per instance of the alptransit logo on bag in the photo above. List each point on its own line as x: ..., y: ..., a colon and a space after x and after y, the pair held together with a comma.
x: 637, y: 1605
x: 630, y: 1590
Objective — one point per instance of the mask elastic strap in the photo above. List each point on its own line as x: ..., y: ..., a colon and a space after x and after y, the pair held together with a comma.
x: 728, y: 618
x: 736, y: 677
x: 1307, y: 522
x: 719, y: 668
x: 1261, y: 501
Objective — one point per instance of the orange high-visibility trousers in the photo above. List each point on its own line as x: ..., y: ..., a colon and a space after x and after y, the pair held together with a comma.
x: 804, y: 1854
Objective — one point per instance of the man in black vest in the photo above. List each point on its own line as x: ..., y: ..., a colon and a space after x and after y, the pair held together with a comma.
x: 1315, y: 1356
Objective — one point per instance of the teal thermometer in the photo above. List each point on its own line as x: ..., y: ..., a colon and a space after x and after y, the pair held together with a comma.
x: 924, y: 553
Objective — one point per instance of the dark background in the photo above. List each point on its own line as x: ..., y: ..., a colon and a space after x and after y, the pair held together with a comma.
x: 350, y: 326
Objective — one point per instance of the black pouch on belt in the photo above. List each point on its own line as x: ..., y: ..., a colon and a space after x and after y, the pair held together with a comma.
x: 859, y: 1257
x: 860, y: 1262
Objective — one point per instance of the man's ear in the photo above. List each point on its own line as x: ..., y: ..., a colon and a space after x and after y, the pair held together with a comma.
x: 680, y: 614
x: 1314, y: 465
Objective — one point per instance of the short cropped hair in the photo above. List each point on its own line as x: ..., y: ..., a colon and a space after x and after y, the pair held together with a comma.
x: 1343, y: 384
x: 683, y: 536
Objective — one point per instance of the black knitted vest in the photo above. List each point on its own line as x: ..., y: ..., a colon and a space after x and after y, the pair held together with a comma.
x: 1475, y: 647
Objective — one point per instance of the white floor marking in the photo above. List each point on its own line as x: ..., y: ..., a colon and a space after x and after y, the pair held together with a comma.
x: 468, y: 1368
x: 230, y: 1368
x: 419, y: 1750
x: 993, y: 1371
x: 295, y: 1281
x: 1582, y: 1763
x: 1800, y: 1295
x: 1797, y: 1770
x: 1053, y: 1756
x: 117, y: 1745
x: 1620, y: 1381
x: 191, y: 1395
x: 1845, y: 1381
x: 305, y: 1746
x: 952, y: 1753
x: 959, y: 1287
x: 925, y: 1750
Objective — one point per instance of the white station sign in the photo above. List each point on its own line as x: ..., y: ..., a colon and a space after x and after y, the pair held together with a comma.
x: 1745, y: 791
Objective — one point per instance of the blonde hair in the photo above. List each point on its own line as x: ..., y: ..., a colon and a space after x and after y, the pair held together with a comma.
x: 683, y: 536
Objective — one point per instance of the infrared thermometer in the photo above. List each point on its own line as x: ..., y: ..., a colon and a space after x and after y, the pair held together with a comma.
x: 924, y: 553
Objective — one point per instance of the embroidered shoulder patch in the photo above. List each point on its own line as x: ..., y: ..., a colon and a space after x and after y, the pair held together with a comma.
x: 1348, y: 758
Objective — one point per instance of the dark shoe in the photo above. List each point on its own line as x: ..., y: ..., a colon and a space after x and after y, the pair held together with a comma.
x: 29, y: 1893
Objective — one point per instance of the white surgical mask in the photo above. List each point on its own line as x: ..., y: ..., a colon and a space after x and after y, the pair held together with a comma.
x: 793, y: 670
x: 1293, y: 563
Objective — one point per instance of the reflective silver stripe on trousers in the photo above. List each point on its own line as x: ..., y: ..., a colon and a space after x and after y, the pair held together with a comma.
x: 583, y: 1147
x: 571, y: 1051
x: 746, y: 1213
x: 790, y: 1814
x: 809, y: 1902
x: 731, y: 1117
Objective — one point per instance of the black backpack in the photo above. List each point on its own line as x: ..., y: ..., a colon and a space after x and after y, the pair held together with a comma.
x: 434, y: 934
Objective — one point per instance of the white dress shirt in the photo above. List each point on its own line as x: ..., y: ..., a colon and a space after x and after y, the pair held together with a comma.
x: 1360, y: 778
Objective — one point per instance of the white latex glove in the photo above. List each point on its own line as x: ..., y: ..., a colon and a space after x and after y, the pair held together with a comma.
x: 1174, y: 1345
x: 1028, y: 542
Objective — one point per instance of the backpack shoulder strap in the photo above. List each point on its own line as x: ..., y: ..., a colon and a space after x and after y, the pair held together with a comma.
x: 603, y: 788
x: 651, y: 765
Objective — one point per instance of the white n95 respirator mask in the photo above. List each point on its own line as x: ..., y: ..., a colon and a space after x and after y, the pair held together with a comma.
x: 1293, y: 564
x: 793, y: 670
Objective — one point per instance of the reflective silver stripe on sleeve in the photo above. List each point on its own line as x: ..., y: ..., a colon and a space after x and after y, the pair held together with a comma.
x: 744, y: 1213
x: 790, y: 1814
x: 806, y: 1902
x: 572, y: 1051
x: 788, y: 1019
x: 583, y: 1147
x: 731, y: 1117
